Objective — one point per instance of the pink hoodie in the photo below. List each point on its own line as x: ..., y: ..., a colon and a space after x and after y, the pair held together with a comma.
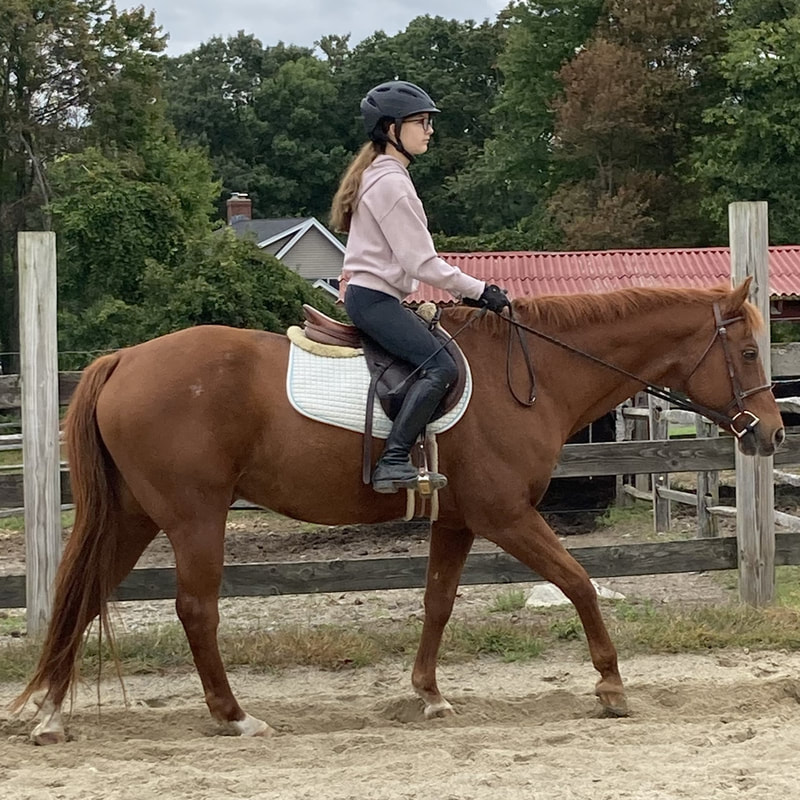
x: 389, y: 247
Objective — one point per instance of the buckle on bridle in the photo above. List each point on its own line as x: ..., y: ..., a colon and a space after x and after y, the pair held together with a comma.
x: 754, y: 420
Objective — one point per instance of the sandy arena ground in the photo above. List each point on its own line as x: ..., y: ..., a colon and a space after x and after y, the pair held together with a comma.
x: 708, y: 727
x: 725, y: 725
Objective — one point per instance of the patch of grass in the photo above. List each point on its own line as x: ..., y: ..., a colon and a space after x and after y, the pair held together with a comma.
x: 11, y: 623
x: 567, y: 629
x: 10, y: 458
x: 787, y: 586
x: 738, y: 626
x: 727, y: 579
x: 681, y: 431
x: 17, y: 524
x: 329, y: 647
x: 509, y: 642
x: 636, y: 628
x: 638, y: 514
x: 509, y: 601
x: 634, y: 612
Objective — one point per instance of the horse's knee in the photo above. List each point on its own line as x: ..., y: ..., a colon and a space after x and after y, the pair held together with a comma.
x: 195, y: 612
x: 438, y: 608
x: 579, y: 588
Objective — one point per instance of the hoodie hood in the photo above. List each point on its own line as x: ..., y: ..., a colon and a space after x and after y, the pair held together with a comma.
x: 382, y: 165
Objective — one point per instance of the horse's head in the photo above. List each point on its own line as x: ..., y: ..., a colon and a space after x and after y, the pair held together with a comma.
x: 729, y: 375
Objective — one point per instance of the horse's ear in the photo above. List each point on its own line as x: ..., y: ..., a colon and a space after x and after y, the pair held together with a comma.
x: 739, y: 295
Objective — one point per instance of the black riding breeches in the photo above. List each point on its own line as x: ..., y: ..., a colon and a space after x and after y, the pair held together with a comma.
x: 400, y: 332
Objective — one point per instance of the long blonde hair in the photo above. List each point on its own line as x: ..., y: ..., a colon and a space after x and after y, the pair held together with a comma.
x: 344, y: 201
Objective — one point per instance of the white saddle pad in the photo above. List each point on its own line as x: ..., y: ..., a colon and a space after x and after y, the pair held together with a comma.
x: 334, y: 391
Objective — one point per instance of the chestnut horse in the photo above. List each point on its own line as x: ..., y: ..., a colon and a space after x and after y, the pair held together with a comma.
x: 165, y: 435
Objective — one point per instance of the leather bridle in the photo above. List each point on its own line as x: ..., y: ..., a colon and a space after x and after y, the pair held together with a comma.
x: 723, y: 419
x: 739, y: 394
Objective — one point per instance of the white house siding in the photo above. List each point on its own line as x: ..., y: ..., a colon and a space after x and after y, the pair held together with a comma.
x: 314, y: 256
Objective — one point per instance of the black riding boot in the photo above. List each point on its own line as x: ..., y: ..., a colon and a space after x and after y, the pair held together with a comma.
x: 394, y: 470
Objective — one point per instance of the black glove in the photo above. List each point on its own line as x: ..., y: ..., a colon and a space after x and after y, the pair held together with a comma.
x: 494, y: 298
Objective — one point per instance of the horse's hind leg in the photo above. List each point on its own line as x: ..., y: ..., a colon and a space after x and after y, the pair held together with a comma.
x: 135, y: 531
x: 448, y: 552
x: 199, y: 554
x: 534, y: 543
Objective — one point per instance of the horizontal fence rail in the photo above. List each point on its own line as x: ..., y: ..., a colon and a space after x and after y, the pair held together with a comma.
x: 577, y: 460
x: 408, y: 572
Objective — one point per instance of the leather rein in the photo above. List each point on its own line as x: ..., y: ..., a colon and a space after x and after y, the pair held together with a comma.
x: 723, y: 419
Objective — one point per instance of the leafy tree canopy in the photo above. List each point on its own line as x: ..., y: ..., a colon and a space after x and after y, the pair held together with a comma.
x: 751, y: 148
x: 58, y: 62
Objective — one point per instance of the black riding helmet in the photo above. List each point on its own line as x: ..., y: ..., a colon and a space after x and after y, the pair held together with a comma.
x: 393, y: 101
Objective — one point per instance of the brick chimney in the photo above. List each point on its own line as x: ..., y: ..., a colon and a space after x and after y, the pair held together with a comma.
x: 240, y: 207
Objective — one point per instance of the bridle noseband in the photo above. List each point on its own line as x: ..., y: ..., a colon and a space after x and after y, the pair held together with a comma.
x: 722, y: 419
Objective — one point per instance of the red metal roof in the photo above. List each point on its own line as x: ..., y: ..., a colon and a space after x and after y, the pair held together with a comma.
x: 539, y: 273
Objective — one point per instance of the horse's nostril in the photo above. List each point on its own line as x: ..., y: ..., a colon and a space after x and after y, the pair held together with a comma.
x: 779, y: 438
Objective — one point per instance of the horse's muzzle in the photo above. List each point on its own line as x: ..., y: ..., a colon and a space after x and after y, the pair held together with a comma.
x: 756, y: 443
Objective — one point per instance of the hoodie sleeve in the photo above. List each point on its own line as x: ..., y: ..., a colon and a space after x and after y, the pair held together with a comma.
x: 406, y: 230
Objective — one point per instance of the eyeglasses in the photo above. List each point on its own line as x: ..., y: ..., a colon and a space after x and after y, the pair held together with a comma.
x: 426, y: 122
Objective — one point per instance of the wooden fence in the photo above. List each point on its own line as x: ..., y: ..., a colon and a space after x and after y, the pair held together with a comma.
x: 645, y: 419
x: 578, y: 460
x: 755, y: 550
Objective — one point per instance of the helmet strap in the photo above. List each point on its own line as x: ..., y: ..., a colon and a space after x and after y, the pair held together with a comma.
x: 398, y: 145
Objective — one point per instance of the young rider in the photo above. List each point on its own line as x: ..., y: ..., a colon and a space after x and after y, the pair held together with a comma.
x: 389, y: 251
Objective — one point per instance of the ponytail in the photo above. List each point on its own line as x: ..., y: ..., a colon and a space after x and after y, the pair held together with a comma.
x: 344, y: 201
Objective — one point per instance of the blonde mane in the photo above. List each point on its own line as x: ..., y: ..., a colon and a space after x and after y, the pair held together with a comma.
x: 564, y: 312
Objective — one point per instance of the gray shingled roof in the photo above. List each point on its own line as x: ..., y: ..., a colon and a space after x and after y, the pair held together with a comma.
x: 263, y: 229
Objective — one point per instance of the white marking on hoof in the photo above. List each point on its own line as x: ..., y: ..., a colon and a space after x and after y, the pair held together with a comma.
x: 51, y: 729
x: 250, y: 726
x: 438, y: 710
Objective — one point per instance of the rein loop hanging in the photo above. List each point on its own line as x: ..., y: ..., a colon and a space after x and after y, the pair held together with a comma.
x: 722, y: 419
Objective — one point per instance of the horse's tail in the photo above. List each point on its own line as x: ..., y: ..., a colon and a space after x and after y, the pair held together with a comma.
x: 85, y: 574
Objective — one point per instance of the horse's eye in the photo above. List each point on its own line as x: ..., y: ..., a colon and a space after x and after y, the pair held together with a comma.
x: 751, y: 354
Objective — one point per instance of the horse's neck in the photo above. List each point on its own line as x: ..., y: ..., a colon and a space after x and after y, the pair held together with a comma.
x: 654, y: 346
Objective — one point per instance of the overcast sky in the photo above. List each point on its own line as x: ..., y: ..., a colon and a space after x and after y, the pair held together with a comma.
x: 300, y: 22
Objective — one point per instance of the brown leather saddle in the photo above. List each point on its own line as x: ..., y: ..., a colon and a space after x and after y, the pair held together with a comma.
x: 389, y: 375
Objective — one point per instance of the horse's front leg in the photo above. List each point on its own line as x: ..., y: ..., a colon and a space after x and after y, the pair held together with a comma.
x: 530, y: 539
x: 448, y: 552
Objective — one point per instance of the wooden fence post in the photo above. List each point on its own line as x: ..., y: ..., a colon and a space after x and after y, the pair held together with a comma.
x: 659, y: 431
x: 755, y: 491
x: 623, y: 432
x: 40, y: 447
x: 707, y: 485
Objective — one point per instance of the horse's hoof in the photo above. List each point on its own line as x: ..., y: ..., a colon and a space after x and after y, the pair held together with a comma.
x: 250, y: 726
x: 439, y: 710
x: 48, y: 737
x: 613, y: 700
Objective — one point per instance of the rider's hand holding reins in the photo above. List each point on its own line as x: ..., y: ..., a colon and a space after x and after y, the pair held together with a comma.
x: 493, y: 298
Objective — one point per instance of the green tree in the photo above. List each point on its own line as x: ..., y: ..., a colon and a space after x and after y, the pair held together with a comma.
x: 139, y: 258
x: 225, y: 280
x: 113, y: 212
x: 751, y: 148
x: 504, y: 189
x: 631, y: 105
x: 268, y: 118
x: 57, y: 60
